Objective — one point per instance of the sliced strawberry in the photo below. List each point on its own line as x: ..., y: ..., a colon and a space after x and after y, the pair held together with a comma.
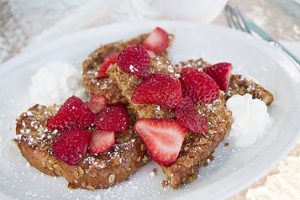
x: 160, y: 89
x: 151, y: 54
x: 71, y: 147
x: 101, y: 141
x: 110, y: 59
x: 163, y: 139
x: 187, y: 115
x: 134, y: 59
x: 97, y: 103
x: 113, y: 118
x: 198, y: 85
x: 220, y: 72
x: 157, y: 41
x: 73, y: 114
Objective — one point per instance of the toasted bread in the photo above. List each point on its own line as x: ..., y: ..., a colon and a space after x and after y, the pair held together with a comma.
x: 196, y: 147
x: 240, y: 85
x: 127, y: 82
x: 94, y: 171
x: 91, y: 66
x: 237, y: 84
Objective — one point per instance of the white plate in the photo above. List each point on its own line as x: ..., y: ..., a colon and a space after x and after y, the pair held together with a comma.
x: 232, y: 169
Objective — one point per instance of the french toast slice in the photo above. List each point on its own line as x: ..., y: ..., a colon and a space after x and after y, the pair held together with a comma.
x: 94, y: 171
x: 196, y: 147
x: 105, y: 86
x: 237, y: 84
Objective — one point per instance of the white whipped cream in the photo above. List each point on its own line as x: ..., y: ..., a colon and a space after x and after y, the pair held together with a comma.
x: 55, y: 82
x: 250, y: 119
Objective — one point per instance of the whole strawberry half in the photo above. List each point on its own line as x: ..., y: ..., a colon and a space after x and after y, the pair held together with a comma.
x: 220, y: 72
x: 101, y: 141
x: 160, y: 89
x: 97, y: 103
x: 110, y: 59
x: 157, y: 41
x: 187, y: 115
x: 198, y: 85
x: 134, y: 59
x: 163, y: 139
x: 73, y: 114
x: 113, y: 118
x: 71, y: 147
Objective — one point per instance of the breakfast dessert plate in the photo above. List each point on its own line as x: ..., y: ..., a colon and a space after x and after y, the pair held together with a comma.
x: 232, y: 168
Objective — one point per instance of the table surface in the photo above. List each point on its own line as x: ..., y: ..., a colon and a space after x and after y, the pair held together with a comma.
x: 20, y: 27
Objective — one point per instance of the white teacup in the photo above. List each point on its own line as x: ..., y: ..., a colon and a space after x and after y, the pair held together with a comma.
x: 195, y: 10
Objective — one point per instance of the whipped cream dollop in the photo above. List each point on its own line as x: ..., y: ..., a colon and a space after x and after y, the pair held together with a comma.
x: 55, y: 82
x: 250, y: 119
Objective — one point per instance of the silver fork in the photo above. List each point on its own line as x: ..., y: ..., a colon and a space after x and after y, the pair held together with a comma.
x: 235, y: 19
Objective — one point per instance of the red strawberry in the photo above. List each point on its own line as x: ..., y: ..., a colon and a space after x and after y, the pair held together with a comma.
x: 160, y: 89
x: 110, y: 59
x: 220, y: 72
x: 162, y: 137
x: 97, y: 103
x: 187, y: 116
x: 71, y: 147
x: 198, y: 85
x: 101, y: 141
x: 157, y: 41
x: 134, y: 59
x: 113, y: 118
x: 73, y: 114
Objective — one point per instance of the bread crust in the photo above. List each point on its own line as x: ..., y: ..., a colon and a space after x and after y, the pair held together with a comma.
x: 91, y: 66
x: 94, y: 171
x: 197, y: 147
x: 237, y: 84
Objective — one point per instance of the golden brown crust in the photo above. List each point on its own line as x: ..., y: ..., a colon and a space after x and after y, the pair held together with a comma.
x: 110, y: 168
x: 240, y: 85
x: 41, y: 160
x: 127, y: 82
x: 237, y: 85
x: 91, y: 65
x: 197, y: 147
x: 95, y: 171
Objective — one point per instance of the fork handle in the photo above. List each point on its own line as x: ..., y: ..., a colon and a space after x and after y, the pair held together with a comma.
x: 252, y: 26
x: 287, y: 52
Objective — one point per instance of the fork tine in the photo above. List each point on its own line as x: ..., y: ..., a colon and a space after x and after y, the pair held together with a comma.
x: 242, y: 19
x: 228, y: 16
x: 231, y: 16
x: 235, y: 19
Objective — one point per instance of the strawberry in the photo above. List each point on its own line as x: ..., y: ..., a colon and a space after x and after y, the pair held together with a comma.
x: 157, y: 41
x: 101, y: 141
x: 163, y: 138
x: 220, y: 72
x: 97, y: 103
x: 113, y: 118
x: 110, y: 59
x: 187, y: 116
x: 198, y: 85
x: 73, y: 114
x: 160, y: 89
x: 134, y: 59
x: 151, y: 54
x: 71, y: 147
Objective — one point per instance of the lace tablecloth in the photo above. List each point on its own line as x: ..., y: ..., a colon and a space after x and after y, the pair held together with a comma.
x: 23, y: 24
